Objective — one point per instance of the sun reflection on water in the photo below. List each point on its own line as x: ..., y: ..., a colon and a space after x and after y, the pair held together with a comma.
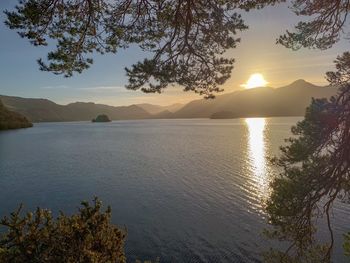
x: 257, y: 153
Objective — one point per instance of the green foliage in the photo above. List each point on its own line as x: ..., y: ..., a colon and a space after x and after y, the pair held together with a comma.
x: 315, y: 170
x: 12, y: 120
x: 346, y: 244
x: 186, y: 38
x: 342, y: 75
x: 325, y: 26
x: 86, y: 237
x: 315, y: 165
x: 311, y: 255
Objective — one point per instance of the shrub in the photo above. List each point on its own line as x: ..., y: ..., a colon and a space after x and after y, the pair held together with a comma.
x: 87, y: 236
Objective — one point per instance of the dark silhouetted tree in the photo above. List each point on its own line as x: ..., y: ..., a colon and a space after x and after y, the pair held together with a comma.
x: 185, y: 38
x: 316, y: 162
x: 327, y: 21
x: 315, y: 171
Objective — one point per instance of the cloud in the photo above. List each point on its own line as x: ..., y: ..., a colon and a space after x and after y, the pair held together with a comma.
x: 89, y: 89
x: 55, y: 87
x: 105, y: 89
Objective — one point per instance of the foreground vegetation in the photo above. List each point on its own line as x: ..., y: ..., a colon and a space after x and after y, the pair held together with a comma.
x: 315, y: 172
x: 85, y: 237
x: 12, y: 120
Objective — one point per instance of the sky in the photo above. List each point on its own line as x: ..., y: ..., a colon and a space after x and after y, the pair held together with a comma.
x: 104, y: 81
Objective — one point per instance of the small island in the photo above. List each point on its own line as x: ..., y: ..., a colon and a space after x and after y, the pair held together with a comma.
x: 102, y: 118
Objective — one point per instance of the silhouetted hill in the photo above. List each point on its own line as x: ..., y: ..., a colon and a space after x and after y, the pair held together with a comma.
x: 156, y: 109
x: 290, y: 100
x: 12, y: 120
x: 163, y: 115
x: 42, y: 110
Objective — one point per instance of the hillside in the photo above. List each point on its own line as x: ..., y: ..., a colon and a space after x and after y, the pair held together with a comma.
x: 12, y: 120
x: 156, y: 109
x: 290, y: 100
x: 42, y: 110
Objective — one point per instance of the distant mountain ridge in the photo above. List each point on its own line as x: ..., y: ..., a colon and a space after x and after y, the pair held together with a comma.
x: 43, y: 110
x: 290, y: 100
x: 156, y: 109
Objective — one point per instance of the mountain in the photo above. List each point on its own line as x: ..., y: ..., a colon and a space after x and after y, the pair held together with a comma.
x: 156, y: 109
x: 164, y: 115
x: 12, y: 120
x: 43, y: 110
x: 290, y: 100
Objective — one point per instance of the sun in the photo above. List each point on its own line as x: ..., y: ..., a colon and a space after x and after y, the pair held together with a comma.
x: 255, y: 80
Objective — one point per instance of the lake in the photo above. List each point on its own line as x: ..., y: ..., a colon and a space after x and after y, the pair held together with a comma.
x: 187, y: 190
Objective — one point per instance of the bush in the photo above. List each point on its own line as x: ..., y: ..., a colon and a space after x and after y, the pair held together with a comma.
x: 87, y: 236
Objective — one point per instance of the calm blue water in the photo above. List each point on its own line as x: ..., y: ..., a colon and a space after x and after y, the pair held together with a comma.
x: 187, y: 190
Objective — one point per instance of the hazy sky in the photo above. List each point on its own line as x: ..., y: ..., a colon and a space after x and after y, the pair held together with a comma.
x: 104, y: 81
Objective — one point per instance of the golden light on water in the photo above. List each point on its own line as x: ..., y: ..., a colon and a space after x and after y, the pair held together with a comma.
x: 255, y: 80
x: 257, y: 153
x: 256, y: 143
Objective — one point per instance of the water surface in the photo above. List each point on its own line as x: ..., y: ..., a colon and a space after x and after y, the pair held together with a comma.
x: 187, y: 190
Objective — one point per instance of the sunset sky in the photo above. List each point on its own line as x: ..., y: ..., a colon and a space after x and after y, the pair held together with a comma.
x: 104, y: 81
